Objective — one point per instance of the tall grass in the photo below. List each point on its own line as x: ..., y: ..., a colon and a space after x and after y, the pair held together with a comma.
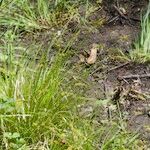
x: 141, y: 53
x: 37, y: 107
x: 37, y: 15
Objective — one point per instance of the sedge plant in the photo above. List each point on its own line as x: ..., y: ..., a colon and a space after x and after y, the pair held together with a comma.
x: 37, y: 107
x: 141, y: 53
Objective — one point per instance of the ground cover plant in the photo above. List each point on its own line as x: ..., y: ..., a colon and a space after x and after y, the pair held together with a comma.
x: 43, y: 94
x: 142, y: 46
x: 37, y: 107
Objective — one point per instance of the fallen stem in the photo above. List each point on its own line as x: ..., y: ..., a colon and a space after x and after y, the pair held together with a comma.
x: 118, y: 67
x: 134, y: 76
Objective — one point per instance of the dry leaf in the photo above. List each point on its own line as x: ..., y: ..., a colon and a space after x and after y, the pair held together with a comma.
x: 93, y: 54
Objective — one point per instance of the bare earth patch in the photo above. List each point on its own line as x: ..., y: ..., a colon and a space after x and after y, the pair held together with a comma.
x: 118, y: 33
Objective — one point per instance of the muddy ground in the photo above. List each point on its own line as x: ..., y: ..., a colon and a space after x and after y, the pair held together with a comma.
x: 112, y: 78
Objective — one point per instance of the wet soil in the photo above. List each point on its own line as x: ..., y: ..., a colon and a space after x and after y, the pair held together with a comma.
x: 118, y: 32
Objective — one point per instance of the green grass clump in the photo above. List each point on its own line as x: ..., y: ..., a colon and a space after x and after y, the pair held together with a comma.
x: 141, y: 53
x: 37, y: 107
x: 37, y: 15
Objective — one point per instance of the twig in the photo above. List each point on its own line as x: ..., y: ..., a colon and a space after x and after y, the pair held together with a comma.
x: 134, y: 76
x: 96, y: 70
x: 117, y: 67
x: 135, y: 19
x: 112, y: 19
x: 112, y: 69
x: 120, y: 13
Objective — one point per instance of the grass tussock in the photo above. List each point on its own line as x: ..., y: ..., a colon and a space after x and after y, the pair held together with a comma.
x: 141, y: 53
x: 38, y: 109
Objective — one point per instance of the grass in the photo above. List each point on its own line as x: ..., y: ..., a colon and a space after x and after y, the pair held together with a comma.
x: 141, y: 53
x: 31, y: 16
x: 141, y: 47
x: 39, y: 92
x: 37, y: 107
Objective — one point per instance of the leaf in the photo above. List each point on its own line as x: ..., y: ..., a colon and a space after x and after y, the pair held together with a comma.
x: 93, y: 55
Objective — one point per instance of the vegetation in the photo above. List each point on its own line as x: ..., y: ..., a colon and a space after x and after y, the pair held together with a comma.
x: 39, y: 97
x: 141, y: 53
x: 38, y: 109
